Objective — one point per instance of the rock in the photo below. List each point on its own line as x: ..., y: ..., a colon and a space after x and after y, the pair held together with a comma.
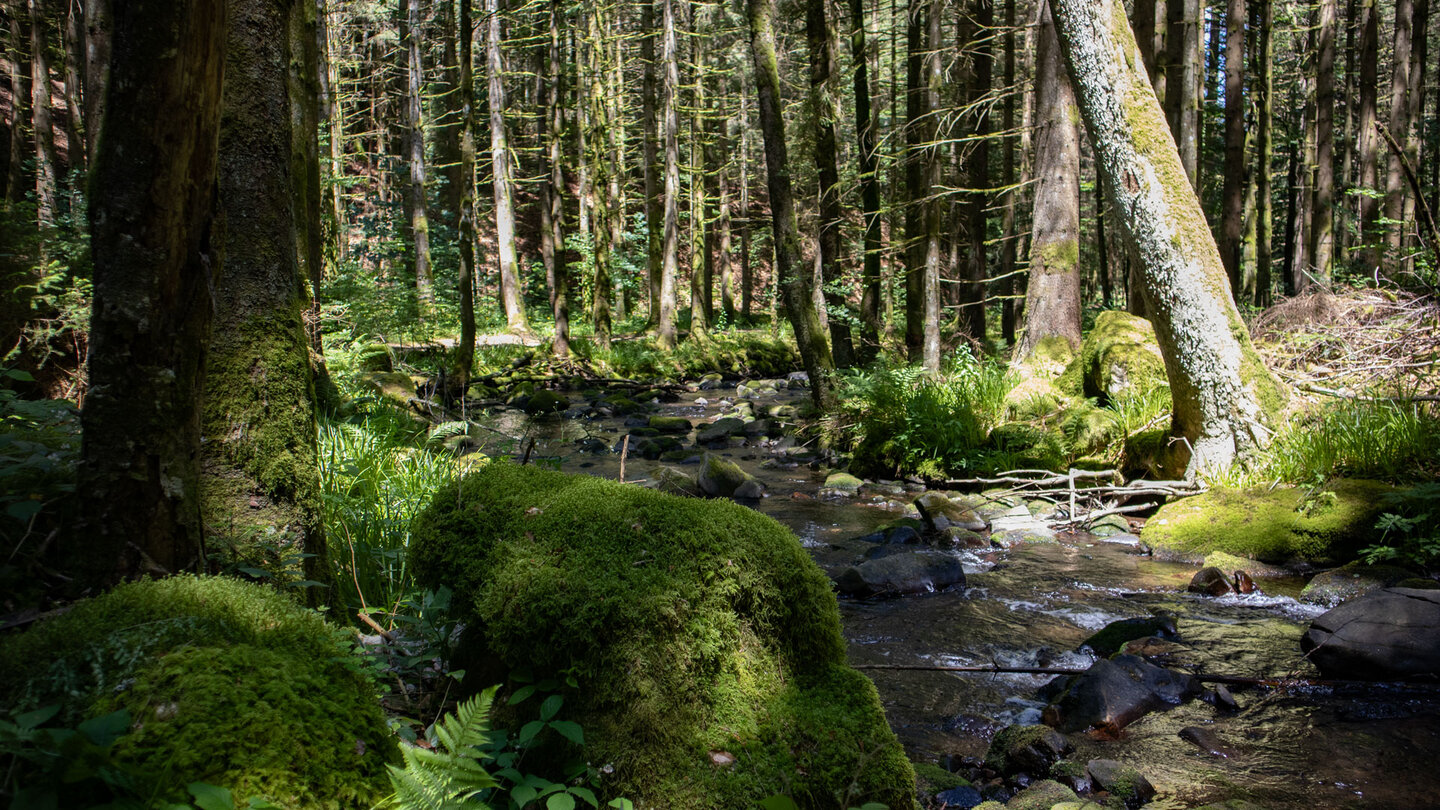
x: 750, y: 490
x: 649, y: 447
x: 1042, y: 795
x: 1244, y: 584
x: 1330, y: 588
x: 904, y: 530
x: 1115, y: 692
x: 915, y: 572
x: 1121, y: 781
x: 723, y: 479
x: 1222, y: 700
x: 1013, y: 537
x: 670, y: 424
x: 1125, y: 539
x: 710, y: 382
x: 1114, y: 635
x: 719, y: 431
x: 1026, y: 749
x: 961, y: 798
x: 1390, y: 634
x: 1255, y: 568
x: 1273, y: 526
x: 543, y: 402
x: 843, y: 483
x: 1211, y: 582
x: 1206, y: 740
x: 1119, y: 354
x: 590, y: 444
x: 964, y: 538
x: 941, y: 512
x: 1231, y: 804
x: 675, y: 482
x: 797, y: 379
x: 1109, y: 526
x: 395, y: 387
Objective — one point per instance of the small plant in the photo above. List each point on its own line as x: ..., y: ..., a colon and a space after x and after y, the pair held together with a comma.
x: 1410, y: 529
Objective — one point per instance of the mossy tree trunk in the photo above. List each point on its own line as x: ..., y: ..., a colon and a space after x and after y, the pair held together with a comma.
x: 1224, y: 397
x: 259, y: 416
x: 503, y: 181
x: 1009, y: 251
x: 151, y: 233
x: 1368, y: 141
x: 465, y: 352
x: 1183, y: 78
x: 19, y: 77
x: 649, y: 151
x: 972, y: 292
x: 42, y: 129
x: 1322, y: 223
x: 670, y: 126
x: 1052, y: 298
x: 1232, y: 214
x: 794, y: 284
x: 410, y: 35
x: 550, y: 130
x: 1264, y: 150
x: 914, y: 201
x: 820, y: 36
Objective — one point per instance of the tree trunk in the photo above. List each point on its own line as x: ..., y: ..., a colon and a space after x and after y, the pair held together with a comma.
x: 19, y: 97
x: 332, y: 114
x: 597, y: 156
x: 1182, y: 82
x: 139, y: 480
x: 1149, y: 24
x: 747, y: 282
x: 1232, y: 210
x: 670, y: 124
x: 1224, y: 397
x: 41, y: 127
x: 75, y: 157
x: 649, y: 154
x: 972, y: 292
x: 465, y: 226
x: 1052, y: 299
x: 1321, y: 245
x: 814, y: 352
x: 415, y: 141
x: 1399, y: 124
x: 869, y: 186
x: 915, y: 158
x: 1008, y: 235
x: 97, y: 68
x: 820, y: 37
x: 552, y: 220
x: 1367, y: 140
x: 1264, y: 124
x: 503, y: 182
x: 303, y: 74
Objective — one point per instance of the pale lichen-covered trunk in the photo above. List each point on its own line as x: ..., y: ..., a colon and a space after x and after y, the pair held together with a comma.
x: 1052, y: 297
x: 1224, y: 396
x: 670, y: 124
x: 139, y: 480
x: 259, y: 455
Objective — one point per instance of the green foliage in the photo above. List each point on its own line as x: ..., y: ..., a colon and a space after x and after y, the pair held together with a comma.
x: 448, y: 776
x: 1409, y: 528
x: 903, y: 418
x: 39, y: 450
x: 744, y: 354
x: 702, y: 626
x: 233, y: 684
x: 1391, y: 440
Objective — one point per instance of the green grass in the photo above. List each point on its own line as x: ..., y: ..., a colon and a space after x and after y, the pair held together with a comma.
x: 1384, y: 439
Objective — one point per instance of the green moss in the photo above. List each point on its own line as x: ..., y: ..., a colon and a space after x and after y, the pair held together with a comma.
x: 1271, y: 525
x: 934, y: 779
x: 1118, y: 353
x: 1061, y: 256
x: 227, y: 682
x: 1041, y: 796
x: 692, y: 626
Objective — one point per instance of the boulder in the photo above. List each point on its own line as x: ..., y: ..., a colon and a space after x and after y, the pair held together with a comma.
x: 1109, y: 526
x: 940, y: 512
x: 1026, y: 749
x: 1384, y: 635
x: 1118, y: 354
x: 1042, y: 795
x: 1210, y: 581
x: 902, y: 574
x: 720, y: 478
x: 842, y: 482
x: 392, y: 386
x: 1121, y: 781
x: 719, y: 432
x: 904, y: 531
x: 1330, y: 588
x: 1115, y: 692
x: 670, y: 424
x: 1109, y: 639
x: 687, y: 621
x: 543, y: 402
x: 1271, y: 525
x: 649, y: 447
x: 675, y: 482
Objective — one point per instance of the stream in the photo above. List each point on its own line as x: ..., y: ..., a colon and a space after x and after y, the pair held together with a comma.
x: 1031, y: 606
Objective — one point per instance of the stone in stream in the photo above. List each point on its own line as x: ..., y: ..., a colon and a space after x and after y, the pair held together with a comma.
x: 1211, y: 582
x: 1207, y: 741
x: 1390, y: 634
x: 670, y: 424
x: 1121, y: 781
x: 725, y: 479
x: 843, y: 483
x: 1115, y: 692
x: 1109, y: 639
x: 1043, y: 795
x: 940, y: 512
x: 960, y: 798
x: 903, y: 574
x: 719, y: 432
x: 1026, y: 749
x: 1330, y: 588
x: 904, y: 531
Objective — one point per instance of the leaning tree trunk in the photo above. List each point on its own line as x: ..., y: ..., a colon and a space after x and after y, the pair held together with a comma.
x: 259, y: 417
x: 1224, y: 397
x: 1052, y: 299
x: 139, y: 480
x: 794, y: 284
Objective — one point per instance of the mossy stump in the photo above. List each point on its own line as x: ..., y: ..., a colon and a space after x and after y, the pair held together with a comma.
x: 692, y: 627
x: 225, y: 682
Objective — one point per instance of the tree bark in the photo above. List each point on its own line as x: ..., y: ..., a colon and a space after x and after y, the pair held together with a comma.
x: 1008, y: 235
x: 1232, y: 211
x: 1399, y: 123
x: 1320, y: 248
x: 415, y: 146
x: 1264, y: 151
x: 977, y: 201
x: 1367, y: 140
x: 151, y: 232
x: 917, y: 119
x: 42, y: 129
x: 97, y: 68
x: 1182, y: 82
x: 649, y: 155
x: 814, y: 351
x: 819, y: 35
x: 1052, y: 297
x: 503, y: 181
x: 869, y: 186
x: 303, y: 76
x: 465, y: 226
x: 670, y: 124
x: 1224, y: 397
x: 19, y: 97
x: 552, y: 219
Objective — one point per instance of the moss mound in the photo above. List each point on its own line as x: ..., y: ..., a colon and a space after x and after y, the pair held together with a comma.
x: 226, y: 682
x: 1272, y: 526
x: 692, y: 626
x: 1119, y: 353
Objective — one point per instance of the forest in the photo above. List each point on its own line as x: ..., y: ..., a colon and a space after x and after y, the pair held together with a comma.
x: 791, y: 404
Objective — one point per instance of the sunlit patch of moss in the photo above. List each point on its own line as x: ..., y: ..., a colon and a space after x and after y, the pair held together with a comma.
x: 692, y: 626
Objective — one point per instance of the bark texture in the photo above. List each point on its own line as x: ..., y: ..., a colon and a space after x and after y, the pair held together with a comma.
x: 1224, y: 396
x: 154, y: 263
x: 503, y: 181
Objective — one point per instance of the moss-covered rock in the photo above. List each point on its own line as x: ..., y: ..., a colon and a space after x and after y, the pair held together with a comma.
x: 1271, y: 525
x: 1330, y: 588
x: 374, y: 357
x: 1119, y: 353
x: 1042, y: 795
x: 543, y: 402
x: 226, y: 682
x: 721, y: 478
x: 670, y: 424
x: 393, y: 386
x: 692, y: 626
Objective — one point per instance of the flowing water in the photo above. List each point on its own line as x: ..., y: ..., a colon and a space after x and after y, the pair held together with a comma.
x: 1032, y: 606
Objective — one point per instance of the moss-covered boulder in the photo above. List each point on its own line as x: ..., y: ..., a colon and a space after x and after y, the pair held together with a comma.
x: 1330, y: 588
x: 543, y: 402
x: 1118, y: 354
x: 225, y: 682
x: 390, y: 385
x: 691, y: 627
x: 1270, y: 525
x: 721, y: 478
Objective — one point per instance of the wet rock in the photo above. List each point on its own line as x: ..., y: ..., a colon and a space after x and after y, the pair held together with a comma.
x: 1211, y: 582
x: 670, y: 424
x: 1207, y: 741
x: 1073, y: 775
x: 940, y: 512
x: 1222, y: 700
x: 1255, y: 568
x: 842, y: 482
x: 1330, y: 588
x: 962, y: 798
x: 902, y: 531
x: 1109, y: 526
x: 1109, y: 639
x: 675, y: 482
x: 1154, y: 649
x: 760, y: 427
x: 649, y: 447
x: 1013, y: 537
x: 543, y: 402
x: 590, y: 444
x: 1125, y: 539
x: 1042, y: 796
x: 1231, y: 804
x: 719, y: 431
x: 1390, y: 634
x: 797, y: 379
x: 710, y: 382
x: 624, y: 406
x: 964, y: 538
x: 1121, y: 781
x: 1115, y: 692
x: 919, y: 571
x: 1244, y: 584
x: 1026, y: 749
x: 724, y: 479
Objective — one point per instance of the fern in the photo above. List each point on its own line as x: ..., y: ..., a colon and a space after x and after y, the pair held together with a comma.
x: 445, y: 431
x: 450, y: 776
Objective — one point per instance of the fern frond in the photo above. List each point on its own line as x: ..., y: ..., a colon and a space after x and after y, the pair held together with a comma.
x: 450, y: 777
x: 446, y: 430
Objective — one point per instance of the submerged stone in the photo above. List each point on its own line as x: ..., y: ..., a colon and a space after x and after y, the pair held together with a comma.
x: 720, y: 478
x: 901, y: 574
x: 1115, y: 692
